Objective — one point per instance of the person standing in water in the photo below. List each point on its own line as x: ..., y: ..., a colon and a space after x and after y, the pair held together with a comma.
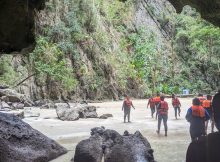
x: 152, y: 106
x: 127, y: 104
x: 157, y: 101
x: 162, y: 114
x: 176, y: 105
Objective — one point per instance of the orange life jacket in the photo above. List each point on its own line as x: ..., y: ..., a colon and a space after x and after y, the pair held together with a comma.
x: 128, y: 102
x: 198, y: 111
x: 157, y: 99
x: 206, y: 104
x: 163, y: 108
x: 175, y: 102
x: 201, y: 99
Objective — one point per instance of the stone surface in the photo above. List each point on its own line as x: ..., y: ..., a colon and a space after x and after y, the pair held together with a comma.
x: 19, y: 142
x: 17, y: 105
x: 114, y: 147
x: 105, y: 116
x: 75, y: 112
x: 209, y: 9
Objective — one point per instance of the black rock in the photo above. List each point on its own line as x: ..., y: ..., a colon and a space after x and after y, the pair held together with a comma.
x: 19, y: 142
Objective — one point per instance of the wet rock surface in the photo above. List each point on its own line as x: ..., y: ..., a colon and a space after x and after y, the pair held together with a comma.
x: 19, y: 142
x: 75, y: 112
x: 113, y: 147
x: 105, y: 116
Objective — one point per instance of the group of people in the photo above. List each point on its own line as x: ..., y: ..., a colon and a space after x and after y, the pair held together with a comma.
x: 198, y: 114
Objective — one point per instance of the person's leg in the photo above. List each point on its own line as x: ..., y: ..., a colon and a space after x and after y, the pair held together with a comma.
x: 129, y: 112
x: 165, y: 117
x: 125, y: 118
x: 175, y: 109
x: 206, y: 126
x: 159, y: 123
x: 156, y: 111
x: 179, y: 110
x: 152, y: 112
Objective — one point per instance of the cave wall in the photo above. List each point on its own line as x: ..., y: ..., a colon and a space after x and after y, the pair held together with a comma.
x: 17, y: 24
x: 209, y: 9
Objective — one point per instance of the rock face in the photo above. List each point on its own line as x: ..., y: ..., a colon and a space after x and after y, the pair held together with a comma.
x: 113, y: 147
x: 19, y: 142
x: 76, y: 112
x: 209, y: 9
x: 216, y: 109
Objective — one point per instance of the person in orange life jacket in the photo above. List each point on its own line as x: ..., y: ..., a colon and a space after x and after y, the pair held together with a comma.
x: 157, y: 101
x: 152, y: 106
x: 207, y: 105
x: 201, y: 98
x: 176, y: 105
x: 197, y: 116
x: 162, y: 114
x: 127, y: 104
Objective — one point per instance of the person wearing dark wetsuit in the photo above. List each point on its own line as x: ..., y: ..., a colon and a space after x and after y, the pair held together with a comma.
x: 127, y: 104
x: 197, y: 116
x: 152, y: 106
x: 162, y: 114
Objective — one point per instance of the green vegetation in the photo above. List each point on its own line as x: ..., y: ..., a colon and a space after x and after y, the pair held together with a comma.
x: 91, y: 48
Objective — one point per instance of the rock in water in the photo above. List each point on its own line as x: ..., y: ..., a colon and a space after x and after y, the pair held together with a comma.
x: 19, y: 142
x: 114, y: 147
x: 67, y: 114
x: 105, y: 116
x: 76, y: 112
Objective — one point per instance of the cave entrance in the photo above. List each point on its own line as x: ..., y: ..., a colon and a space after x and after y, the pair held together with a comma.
x: 17, y: 24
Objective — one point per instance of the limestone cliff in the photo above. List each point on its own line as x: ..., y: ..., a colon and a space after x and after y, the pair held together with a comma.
x: 90, y: 34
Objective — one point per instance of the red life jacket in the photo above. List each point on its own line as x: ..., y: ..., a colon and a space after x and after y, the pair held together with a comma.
x: 198, y: 111
x: 175, y: 102
x: 206, y: 104
x: 128, y: 103
x: 157, y: 99
x: 151, y: 101
x: 163, y: 108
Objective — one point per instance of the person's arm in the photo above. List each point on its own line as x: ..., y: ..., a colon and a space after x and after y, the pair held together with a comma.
x: 123, y: 105
x: 189, y: 114
x: 148, y: 103
x: 132, y: 105
x: 179, y: 103
x: 207, y: 116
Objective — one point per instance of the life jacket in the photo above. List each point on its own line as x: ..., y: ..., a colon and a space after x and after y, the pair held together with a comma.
x: 163, y: 110
x: 198, y: 111
x: 152, y: 103
x: 201, y: 99
x: 128, y: 103
x: 175, y: 102
x: 206, y: 104
x: 157, y: 99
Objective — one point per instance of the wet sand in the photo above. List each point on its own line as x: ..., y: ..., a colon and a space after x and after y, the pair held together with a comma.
x: 166, y: 149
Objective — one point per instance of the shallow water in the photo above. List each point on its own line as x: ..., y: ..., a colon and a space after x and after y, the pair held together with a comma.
x: 166, y: 149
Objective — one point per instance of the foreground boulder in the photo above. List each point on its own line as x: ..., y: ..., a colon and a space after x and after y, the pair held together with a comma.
x: 19, y: 142
x: 75, y: 112
x: 113, y: 147
x: 205, y: 149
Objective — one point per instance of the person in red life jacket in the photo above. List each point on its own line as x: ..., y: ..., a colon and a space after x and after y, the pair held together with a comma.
x: 197, y: 116
x: 157, y: 101
x: 127, y: 104
x: 162, y: 114
x: 152, y: 106
x: 207, y: 105
x: 176, y: 105
x: 201, y: 98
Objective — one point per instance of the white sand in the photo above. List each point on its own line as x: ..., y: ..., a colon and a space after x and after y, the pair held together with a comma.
x: 69, y: 133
